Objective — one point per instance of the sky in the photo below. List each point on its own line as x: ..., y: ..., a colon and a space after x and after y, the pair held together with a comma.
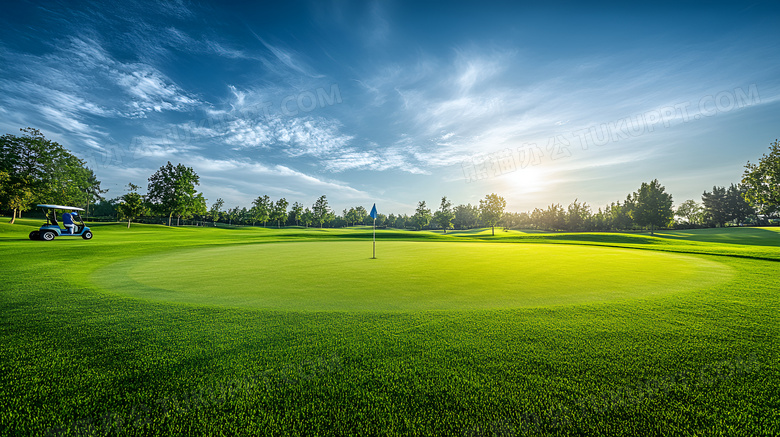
x: 393, y: 103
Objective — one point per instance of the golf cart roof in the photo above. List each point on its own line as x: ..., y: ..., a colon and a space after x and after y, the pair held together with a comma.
x: 61, y: 207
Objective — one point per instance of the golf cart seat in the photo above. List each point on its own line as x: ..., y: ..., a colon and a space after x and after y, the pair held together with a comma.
x: 54, y: 220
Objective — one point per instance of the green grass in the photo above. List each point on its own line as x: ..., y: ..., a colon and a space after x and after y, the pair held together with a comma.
x: 522, y: 333
x: 750, y: 236
x: 408, y: 276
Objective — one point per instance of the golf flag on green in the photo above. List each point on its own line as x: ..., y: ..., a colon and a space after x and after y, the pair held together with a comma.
x: 373, y: 216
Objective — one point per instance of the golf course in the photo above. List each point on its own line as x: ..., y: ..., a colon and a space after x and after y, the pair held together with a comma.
x: 243, y: 331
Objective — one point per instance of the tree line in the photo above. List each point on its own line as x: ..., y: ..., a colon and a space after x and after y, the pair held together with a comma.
x: 36, y: 170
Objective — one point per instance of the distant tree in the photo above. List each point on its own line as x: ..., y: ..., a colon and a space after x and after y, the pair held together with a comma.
x: 279, y: 211
x: 215, y: 210
x: 381, y: 220
x: 307, y: 217
x: 513, y: 220
x: 422, y: 216
x: 598, y: 221
x: 321, y: 211
x: 723, y: 205
x: 107, y: 208
x: 537, y: 218
x: 553, y: 218
x: 196, y: 207
x: 391, y: 220
x: 356, y: 215
x: 131, y: 205
x: 653, y: 206
x: 172, y: 190
x: 762, y: 182
x: 233, y: 215
x: 401, y: 221
x: 261, y: 209
x: 578, y: 216
x: 93, y: 192
x: 739, y: 208
x: 690, y: 211
x: 466, y: 216
x: 444, y: 215
x: 245, y: 217
x: 715, y: 206
x: 491, y: 208
x: 296, y: 212
x: 620, y: 216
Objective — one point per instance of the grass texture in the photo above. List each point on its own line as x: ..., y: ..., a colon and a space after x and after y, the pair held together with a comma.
x: 252, y: 331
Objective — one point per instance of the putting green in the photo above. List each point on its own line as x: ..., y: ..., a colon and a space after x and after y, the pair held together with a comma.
x: 408, y: 276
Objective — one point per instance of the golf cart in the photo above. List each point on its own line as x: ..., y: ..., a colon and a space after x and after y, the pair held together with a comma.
x: 52, y: 228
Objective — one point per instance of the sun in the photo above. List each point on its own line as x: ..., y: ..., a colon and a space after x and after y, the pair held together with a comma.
x: 526, y: 180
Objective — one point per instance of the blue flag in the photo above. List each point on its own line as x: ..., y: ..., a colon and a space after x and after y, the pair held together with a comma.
x: 373, y: 212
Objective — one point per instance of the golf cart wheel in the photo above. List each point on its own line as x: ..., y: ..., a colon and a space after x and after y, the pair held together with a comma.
x: 35, y: 235
x: 48, y: 236
x: 87, y: 235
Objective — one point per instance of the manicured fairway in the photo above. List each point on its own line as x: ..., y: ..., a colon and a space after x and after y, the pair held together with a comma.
x: 250, y: 331
x: 408, y: 276
x: 733, y: 235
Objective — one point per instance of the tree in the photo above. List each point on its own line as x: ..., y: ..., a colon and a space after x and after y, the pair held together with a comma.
x: 261, y: 211
x: 443, y: 217
x: 381, y: 219
x: 724, y: 205
x: 244, y: 216
x: 762, y: 181
x: 296, y: 212
x: 215, y: 210
x: 172, y: 190
x: 653, y: 206
x: 16, y: 196
x: 307, y: 217
x: 359, y: 215
x: 491, y: 208
x: 355, y: 215
x: 279, y: 211
x: 93, y: 192
x: 512, y: 220
x: 422, y: 216
x: 321, y: 211
x: 690, y: 211
x: 619, y: 216
x: 40, y: 170
x: 578, y: 216
x: 233, y: 215
x: 196, y: 208
x: 401, y: 221
x: 739, y: 209
x: 466, y: 216
x: 391, y: 220
x: 107, y: 208
x: 131, y: 205
x: 553, y: 218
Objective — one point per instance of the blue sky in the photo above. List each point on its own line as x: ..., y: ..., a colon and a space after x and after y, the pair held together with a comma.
x: 397, y: 102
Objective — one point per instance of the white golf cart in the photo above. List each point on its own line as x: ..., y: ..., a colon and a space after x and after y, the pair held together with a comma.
x: 52, y: 228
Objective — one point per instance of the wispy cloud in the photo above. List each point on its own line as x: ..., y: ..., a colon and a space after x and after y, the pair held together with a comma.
x: 150, y: 90
x: 289, y: 58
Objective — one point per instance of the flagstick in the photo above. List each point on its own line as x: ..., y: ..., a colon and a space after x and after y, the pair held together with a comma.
x: 374, y: 257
